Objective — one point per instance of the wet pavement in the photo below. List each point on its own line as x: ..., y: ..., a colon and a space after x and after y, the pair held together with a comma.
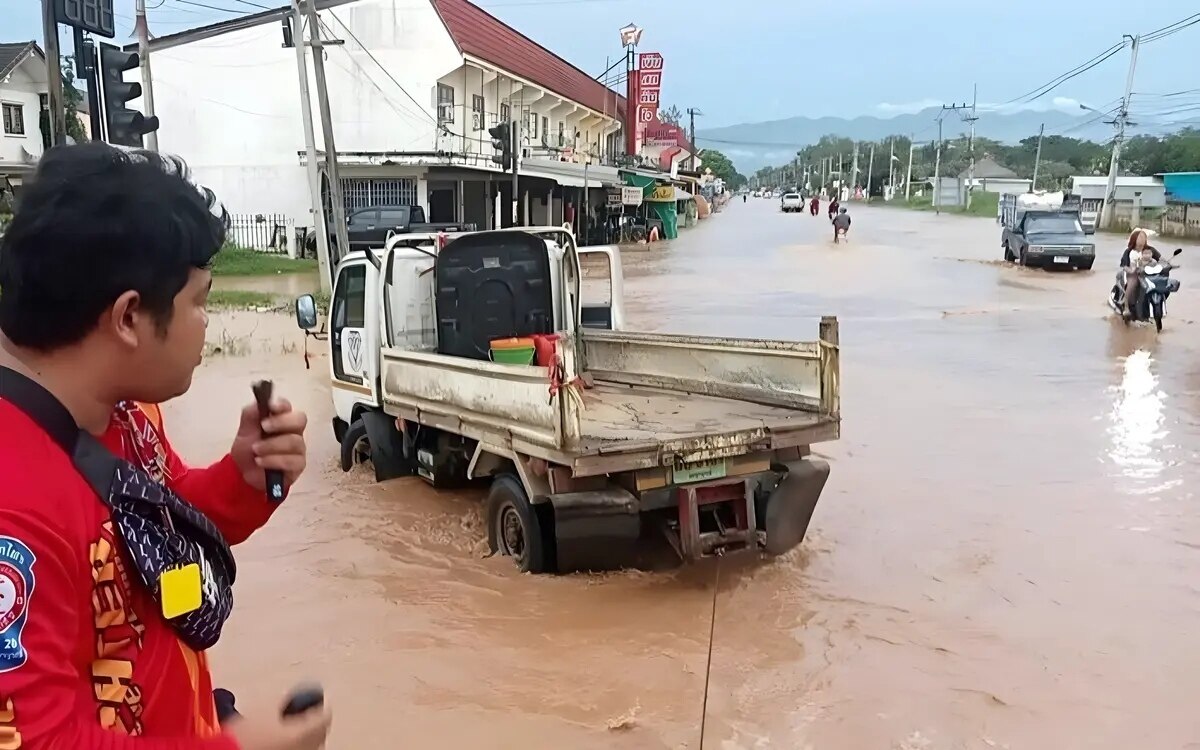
x: 1006, y: 554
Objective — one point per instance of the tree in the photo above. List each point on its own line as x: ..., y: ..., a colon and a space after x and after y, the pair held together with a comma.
x: 72, y: 98
x: 671, y: 115
x: 721, y: 167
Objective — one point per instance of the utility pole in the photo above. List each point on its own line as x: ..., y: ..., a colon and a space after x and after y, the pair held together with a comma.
x: 1037, y: 160
x: 516, y: 159
x: 1110, y: 194
x: 692, y: 112
x: 937, y: 169
x: 310, y: 152
x: 54, y: 87
x: 143, y: 36
x: 841, y: 177
x: 971, y: 147
x: 338, y: 209
x: 892, y: 165
x: 908, y: 178
x: 853, y: 171
x: 870, y: 166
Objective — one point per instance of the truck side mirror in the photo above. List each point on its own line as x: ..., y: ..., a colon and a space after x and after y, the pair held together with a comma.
x: 306, y: 312
x: 1178, y: 251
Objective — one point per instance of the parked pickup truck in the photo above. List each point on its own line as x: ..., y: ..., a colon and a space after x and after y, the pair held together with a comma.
x: 606, y: 434
x: 369, y: 227
x: 1044, y: 230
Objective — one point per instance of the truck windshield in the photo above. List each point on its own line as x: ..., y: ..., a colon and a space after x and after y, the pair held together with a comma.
x: 1054, y: 224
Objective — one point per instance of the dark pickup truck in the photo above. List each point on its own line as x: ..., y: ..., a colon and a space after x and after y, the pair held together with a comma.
x: 1045, y: 236
x: 368, y: 227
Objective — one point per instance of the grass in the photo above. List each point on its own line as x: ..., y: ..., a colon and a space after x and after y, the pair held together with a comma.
x: 240, y: 299
x: 982, y: 204
x: 240, y: 261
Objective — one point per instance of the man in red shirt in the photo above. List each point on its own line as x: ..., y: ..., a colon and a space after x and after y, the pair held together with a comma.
x: 104, y: 272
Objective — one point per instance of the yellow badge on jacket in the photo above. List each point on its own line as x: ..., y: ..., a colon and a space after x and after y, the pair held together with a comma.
x: 180, y: 590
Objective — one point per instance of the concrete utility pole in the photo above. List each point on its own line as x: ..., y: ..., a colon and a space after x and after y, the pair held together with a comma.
x: 1110, y: 194
x: 971, y: 147
x: 870, y: 167
x: 143, y: 36
x: 692, y: 112
x: 853, y: 171
x: 312, y: 169
x: 514, y: 134
x: 908, y: 178
x: 892, y: 165
x: 338, y: 209
x: 1037, y: 160
x: 937, y: 170
x: 54, y: 87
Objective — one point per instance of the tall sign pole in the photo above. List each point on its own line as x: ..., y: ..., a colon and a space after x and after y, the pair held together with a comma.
x: 54, y: 87
x: 630, y: 36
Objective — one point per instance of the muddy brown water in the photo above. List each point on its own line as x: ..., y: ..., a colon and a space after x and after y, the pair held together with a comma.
x: 1006, y: 555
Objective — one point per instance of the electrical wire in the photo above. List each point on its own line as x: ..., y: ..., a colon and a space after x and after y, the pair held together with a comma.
x: 712, y: 629
x: 1170, y: 29
x: 381, y: 67
x: 1078, y: 70
x: 210, y: 7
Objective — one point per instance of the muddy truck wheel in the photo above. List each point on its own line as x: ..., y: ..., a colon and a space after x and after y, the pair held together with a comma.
x: 374, y: 439
x: 516, y: 529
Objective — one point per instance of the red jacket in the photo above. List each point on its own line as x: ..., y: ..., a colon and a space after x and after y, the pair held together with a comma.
x: 86, y: 659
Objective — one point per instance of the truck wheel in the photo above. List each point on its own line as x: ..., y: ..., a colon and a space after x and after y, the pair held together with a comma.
x: 356, y: 449
x: 1022, y: 260
x: 1086, y: 265
x: 1008, y: 255
x: 515, y: 527
x: 372, y: 438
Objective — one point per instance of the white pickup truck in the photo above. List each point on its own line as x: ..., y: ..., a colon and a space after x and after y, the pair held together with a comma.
x: 611, y: 433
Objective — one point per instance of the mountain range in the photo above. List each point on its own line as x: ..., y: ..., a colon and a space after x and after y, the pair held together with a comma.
x: 751, y: 146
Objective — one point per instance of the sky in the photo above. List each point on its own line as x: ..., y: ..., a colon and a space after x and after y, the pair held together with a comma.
x: 755, y: 60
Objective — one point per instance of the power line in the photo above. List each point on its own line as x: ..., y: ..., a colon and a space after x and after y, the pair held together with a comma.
x: 386, y: 72
x: 1170, y: 29
x: 1049, y: 86
x: 210, y: 7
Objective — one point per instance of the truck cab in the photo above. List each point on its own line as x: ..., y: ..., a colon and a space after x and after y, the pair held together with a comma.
x: 387, y: 299
x: 1044, y: 231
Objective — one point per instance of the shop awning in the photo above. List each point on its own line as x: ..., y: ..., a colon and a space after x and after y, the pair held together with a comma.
x: 683, y: 195
x: 571, y: 174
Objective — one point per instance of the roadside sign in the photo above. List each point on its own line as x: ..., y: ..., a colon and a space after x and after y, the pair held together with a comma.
x: 631, y: 196
x: 614, y: 197
x: 92, y: 16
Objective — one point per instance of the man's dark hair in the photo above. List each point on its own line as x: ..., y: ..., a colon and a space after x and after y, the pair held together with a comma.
x: 94, y: 223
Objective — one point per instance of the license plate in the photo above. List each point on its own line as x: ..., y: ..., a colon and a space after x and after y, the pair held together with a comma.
x: 700, y: 472
x: 1061, y: 259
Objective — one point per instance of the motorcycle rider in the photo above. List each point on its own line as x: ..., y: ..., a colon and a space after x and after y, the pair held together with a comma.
x: 1138, y: 253
x: 814, y: 206
x: 833, y: 208
x: 841, y: 223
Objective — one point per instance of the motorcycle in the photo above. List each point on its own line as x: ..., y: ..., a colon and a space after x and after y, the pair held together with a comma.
x: 839, y: 235
x: 1156, y: 284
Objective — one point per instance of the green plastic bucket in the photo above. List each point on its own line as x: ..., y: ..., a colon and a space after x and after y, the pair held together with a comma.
x: 518, y: 351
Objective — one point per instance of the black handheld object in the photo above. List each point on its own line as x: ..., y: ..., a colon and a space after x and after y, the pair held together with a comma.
x: 303, y: 699
x: 274, y: 478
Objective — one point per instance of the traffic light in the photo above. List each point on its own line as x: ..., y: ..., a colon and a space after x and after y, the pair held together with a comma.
x: 502, y: 142
x: 125, y: 126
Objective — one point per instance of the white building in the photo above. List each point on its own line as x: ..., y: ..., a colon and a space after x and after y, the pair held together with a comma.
x: 22, y: 91
x: 413, y: 91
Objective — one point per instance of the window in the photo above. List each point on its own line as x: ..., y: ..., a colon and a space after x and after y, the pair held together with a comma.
x: 532, y: 118
x: 349, y: 311
x: 562, y: 133
x: 545, y: 128
x: 477, y: 109
x: 445, y: 104
x: 14, y: 119
x: 505, y: 113
x: 394, y: 217
x: 363, y: 219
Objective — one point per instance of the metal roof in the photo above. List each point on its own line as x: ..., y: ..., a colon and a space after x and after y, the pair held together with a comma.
x: 13, y: 54
x: 478, y: 33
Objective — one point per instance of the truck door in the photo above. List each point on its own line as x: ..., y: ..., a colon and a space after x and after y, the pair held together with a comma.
x: 602, y: 288
x: 361, y: 227
x: 395, y: 219
x: 354, y: 336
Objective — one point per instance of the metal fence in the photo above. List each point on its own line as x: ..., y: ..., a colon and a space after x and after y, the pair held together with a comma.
x: 266, y: 233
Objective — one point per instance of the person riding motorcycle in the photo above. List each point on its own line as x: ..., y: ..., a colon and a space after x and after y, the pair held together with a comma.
x: 841, y: 224
x: 1138, y: 253
x: 833, y: 208
x: 814, y: 205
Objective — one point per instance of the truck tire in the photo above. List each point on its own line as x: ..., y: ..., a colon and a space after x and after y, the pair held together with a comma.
x: 1008, y: 254
x: 1022, y: 260
x: 356, y: 449
x: 515, y: 528
x: 1086, y: 265
x: 386, y: 453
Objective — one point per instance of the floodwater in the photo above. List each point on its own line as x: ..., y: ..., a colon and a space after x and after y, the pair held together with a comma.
x: 1006, y: 555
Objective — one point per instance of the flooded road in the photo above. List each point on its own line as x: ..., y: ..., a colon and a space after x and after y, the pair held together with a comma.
x: 1006, y: 554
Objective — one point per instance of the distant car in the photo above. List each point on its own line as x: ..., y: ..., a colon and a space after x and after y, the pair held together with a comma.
x: 791, y: 202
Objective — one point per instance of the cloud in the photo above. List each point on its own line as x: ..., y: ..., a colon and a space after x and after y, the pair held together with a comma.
x: 907, y: 108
